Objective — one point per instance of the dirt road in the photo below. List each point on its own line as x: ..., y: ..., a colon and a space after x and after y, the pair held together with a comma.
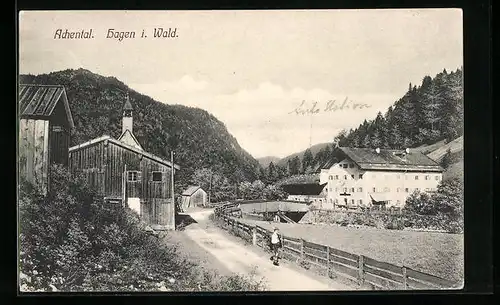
x: 243, y: 259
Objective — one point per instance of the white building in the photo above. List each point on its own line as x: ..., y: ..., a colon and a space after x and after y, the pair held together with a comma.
x: 366, y: 176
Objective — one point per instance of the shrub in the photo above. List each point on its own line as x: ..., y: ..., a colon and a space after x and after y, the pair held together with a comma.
x: 71, y: 241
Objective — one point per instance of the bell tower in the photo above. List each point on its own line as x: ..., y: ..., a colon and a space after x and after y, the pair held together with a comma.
x: 127, y: 119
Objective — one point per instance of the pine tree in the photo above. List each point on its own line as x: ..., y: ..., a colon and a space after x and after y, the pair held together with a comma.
x: 271, y: 173
x: 307, y: 160
x: 446, y: 160
x: 294, y: 166
x: 366, y: 142
x: 396, y: 140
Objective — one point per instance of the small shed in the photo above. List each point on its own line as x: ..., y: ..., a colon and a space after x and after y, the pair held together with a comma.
x: 193, y: 196
x: 44, y: 131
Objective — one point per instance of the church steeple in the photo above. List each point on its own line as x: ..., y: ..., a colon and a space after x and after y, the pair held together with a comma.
x: 127, y: 119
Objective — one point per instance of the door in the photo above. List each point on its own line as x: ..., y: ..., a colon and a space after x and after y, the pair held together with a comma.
x: 160, y: 206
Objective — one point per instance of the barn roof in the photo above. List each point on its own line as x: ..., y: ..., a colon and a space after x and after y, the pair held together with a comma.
x: 40, y: 101
x: 304, y: 188
x: 390, y: 159
x: 190, y: 190
x: 126, y: 146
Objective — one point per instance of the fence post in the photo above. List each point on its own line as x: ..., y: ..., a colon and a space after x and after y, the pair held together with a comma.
x: 405, y: 278
x: 254, y: 235
x: 328, y: 261
x: 361, y: 272
x: 301, y: 248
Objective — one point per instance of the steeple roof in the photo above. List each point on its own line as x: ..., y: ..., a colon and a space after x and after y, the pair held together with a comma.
x: 128, y: 105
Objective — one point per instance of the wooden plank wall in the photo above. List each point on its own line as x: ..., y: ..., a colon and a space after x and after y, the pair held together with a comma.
x: 89, y: 162
x: 59, y: 145
x: 103, y: 165
x: 34, y: 152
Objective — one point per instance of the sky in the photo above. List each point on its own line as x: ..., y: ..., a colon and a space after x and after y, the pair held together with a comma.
x: 253, y: 69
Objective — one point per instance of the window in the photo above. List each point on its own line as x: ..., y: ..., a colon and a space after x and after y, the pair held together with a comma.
x: 344, y: 165
x: 398, y: 177
x: 398, y: 202
x: 157, y: 176
x: 352, y: 176
x: 417, y: 189
x: 345, y: 189
x: 374, y: 189
x: 360, y: 201
x: 336, y: 189
x: 398, y: 189
x: 336, y: 177
x: 345, y: 177
x: 360, y: 189
x: 386, y: 189
x: 416, y: 177
x: 133, y: 176
x: 407, y: 190
x: 352, y: 201
x: 330, y: 189
x: 360, y: 176
x: 437, y: 178
x: 331, y: 200
x: 427, y: 177
x: 330, y: 178
x: 336, y: 201
x: 351, y: 165
x: 352, y: 190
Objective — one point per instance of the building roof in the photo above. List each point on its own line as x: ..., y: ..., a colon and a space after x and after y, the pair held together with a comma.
x: 388, y: 159
x: 190, y: 190
x: 128, y: 105
x: 304, y: 188
x: 40, y: 101
x: 123, y: 145
x: 124, y: 134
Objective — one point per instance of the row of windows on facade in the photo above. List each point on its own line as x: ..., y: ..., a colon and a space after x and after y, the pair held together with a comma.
x: 336, y: 177
x: 360, y: 201
x: 375, y: 190
x: 133, y: 176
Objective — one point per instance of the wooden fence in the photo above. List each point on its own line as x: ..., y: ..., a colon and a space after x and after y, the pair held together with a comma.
x: 360, y: 269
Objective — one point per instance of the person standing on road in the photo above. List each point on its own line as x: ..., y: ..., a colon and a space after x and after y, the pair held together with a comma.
x: 276, y: 244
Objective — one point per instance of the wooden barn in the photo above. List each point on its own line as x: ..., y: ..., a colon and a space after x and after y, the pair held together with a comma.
x: 121, y: 171
x: 44, y: 131
x: 193, y: 196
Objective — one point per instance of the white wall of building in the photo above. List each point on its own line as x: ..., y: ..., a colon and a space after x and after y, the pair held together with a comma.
x: 394, y: 186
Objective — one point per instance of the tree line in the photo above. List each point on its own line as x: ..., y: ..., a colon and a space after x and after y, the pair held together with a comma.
x: 426, y: 114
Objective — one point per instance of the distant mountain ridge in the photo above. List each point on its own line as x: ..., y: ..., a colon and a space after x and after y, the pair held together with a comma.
x: 197, y: 137
x: 264, y: 161
x: 314, y: 150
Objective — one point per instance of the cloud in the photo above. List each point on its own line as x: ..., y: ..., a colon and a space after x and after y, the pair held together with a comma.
x: 263, y: 121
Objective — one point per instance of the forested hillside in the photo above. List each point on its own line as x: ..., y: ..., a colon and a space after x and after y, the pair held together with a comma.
x: 426, y: 114
x: 197, y: 137
x: 426, y: 118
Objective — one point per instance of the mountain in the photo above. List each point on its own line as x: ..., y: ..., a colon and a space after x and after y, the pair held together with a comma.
x: 198, y: 138
x: 314, y: 150
x: 427, y: 118
x: 264, y: 161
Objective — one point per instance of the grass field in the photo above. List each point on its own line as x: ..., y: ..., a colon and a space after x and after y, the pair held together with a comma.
x: 440, y: 254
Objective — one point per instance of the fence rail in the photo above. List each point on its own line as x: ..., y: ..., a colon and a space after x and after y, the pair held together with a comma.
x: 362, y: 270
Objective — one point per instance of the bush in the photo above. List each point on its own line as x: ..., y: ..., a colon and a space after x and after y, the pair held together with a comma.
x: 71, y: 241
